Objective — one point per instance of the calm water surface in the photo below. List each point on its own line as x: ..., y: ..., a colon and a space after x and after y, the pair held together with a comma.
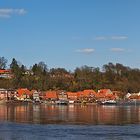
x: 25, y: 122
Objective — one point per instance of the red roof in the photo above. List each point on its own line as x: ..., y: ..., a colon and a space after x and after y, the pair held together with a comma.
x: 105, y: 91
x: 22, y: 91
x: 100, y: 95
x: 86, y: 93
x: 72, y: 95
x: 80, y: 94
x: 4, y: 71
x: 51, y: 95
x: 134, y: 97
x: 89, y: 92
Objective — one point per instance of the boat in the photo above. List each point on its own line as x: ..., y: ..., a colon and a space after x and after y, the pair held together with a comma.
x: 107, y: 102
x: 62, y: 102
x: 71, y: 101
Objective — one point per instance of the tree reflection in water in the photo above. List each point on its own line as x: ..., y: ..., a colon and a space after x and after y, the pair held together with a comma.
x: 71, y: 114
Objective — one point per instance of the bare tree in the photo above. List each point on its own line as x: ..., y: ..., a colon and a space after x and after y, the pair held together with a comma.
x: 3, y: 63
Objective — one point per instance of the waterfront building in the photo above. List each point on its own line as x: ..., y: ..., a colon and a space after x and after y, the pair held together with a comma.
x: 6, y: 74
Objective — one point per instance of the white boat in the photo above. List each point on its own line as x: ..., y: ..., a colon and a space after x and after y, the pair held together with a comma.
x: 71, y: 101
x: 62, y: 102
x: 108, y: 102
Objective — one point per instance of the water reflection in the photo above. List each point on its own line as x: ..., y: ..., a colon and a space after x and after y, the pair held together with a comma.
x: 72, y: 114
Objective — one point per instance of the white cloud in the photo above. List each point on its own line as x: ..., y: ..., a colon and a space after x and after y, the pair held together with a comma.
x: 8, y: 12
x: 99, y: 38
x: 102, y: 38
x: 119, y: 37
x: 86, y: 50
x: 117, y: 49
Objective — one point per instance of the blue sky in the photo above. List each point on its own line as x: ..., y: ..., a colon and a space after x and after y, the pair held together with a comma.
x: 70, y: 33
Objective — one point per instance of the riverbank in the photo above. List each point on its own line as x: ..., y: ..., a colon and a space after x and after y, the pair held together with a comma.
x: 106, y: 103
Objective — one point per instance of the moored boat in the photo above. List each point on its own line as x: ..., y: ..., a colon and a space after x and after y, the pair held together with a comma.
x: 62, y: 102
x: 107, y: 102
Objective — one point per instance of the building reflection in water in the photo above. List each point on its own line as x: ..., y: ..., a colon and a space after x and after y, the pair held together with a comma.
x: 72, y: 114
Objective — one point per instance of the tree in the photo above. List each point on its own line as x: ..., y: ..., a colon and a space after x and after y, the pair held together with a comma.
x: 40, y: 76
x: 3, y: 63
x: 86, y: 77
x: 14, y: 65
x: 59, y: 78
x: 17, y: 72
x: 39, y: 68
x: 42, y: 66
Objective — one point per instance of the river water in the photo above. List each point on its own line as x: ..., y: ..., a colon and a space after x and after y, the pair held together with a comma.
x: 72, y: 122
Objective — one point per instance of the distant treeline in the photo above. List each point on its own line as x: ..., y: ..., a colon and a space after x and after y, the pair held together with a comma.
x: 113, y: 76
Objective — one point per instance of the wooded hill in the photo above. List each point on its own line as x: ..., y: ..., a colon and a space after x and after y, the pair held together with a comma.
x: 113, y: 76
